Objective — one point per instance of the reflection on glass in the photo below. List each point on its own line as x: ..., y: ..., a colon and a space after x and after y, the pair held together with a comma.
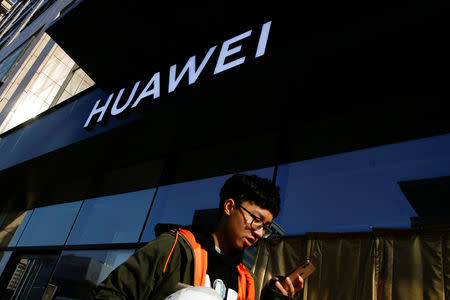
x: 27, y: 276
x: 50, y: 225
x: 77, y: 272
x: 177, y: 203
x: 7, y: 63
x: 43, y: 88
x: 4, y: 260
x: 21, y: 228
x: 112, y: 219
x: 359, y: 190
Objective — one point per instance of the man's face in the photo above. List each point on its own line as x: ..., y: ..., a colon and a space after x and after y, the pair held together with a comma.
x: 241, y: 232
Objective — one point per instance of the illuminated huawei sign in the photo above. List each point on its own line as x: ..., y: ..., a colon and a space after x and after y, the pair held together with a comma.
x: 153, y: 87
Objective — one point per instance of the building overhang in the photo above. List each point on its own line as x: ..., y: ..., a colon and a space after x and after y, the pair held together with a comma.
x: 351, y: 46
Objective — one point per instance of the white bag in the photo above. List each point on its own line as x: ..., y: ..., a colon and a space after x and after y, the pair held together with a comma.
x: 195, y: 293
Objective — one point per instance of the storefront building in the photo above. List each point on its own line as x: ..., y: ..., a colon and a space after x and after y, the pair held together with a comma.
x: 118, y: 116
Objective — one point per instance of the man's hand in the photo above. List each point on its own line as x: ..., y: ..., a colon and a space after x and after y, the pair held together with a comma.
x: 287, y: 287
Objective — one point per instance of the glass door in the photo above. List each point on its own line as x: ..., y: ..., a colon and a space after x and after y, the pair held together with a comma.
x: 26, y: 276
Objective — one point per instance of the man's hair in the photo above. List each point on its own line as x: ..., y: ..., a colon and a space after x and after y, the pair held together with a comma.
x: 261, y: 191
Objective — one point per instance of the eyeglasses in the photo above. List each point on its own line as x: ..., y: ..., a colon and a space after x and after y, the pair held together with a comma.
x: 257, y: 224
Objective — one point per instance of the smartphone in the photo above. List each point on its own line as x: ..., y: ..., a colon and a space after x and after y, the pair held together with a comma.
x: 304, y: 270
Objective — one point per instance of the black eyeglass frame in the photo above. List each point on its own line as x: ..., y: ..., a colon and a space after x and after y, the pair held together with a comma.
x: 266, y: 228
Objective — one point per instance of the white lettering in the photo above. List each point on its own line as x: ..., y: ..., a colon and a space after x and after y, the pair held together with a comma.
x: 190, y: 65
x: 224, y: 52
x: 153, y: 86
x: 262, y: 43
x: 155, y: 81
x: 97, y: 110
x: 115, y: 110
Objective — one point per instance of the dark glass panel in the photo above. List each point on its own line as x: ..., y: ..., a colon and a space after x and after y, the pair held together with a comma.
x: 4, y: 260
x: 359, y: 190
x: 50, y: 225
x: 78, y: 272
x: 21, y: 228
x: 177, y: 203
x: 112, y: 219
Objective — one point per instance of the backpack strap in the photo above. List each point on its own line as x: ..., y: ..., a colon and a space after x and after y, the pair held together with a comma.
x: 200, y: 256
x: 246, y: 284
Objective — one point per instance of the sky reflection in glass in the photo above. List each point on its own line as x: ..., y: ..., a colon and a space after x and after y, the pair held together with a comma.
x: 87, y: 268
x: 177, y: 203
x: 50, y: 225
x: 112, y: 219
x: 358, y: 190
x: 21, y: 228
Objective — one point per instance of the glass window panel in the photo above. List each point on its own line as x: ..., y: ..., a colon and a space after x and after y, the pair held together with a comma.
x: 112, y: 219
x: 11, y: 14
x: 21, y: 228
x: 6, y: 64
x: 77, y: 272
x: 359, y: 190
x: 31, y: 275
x: 42, y: 7
x: 50, y: 225
x: 177, y: 203
x: 17, y: 23
x: 4, y: 260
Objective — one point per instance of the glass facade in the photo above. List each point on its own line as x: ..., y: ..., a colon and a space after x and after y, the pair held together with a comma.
x: 43, y: 88
x: 40, y: 9
x: 9, y: 62
x: 33, y: 81
x: 11, y: 15
x: 12, y: 84
x: 359, y: 190
x: 8, y: 35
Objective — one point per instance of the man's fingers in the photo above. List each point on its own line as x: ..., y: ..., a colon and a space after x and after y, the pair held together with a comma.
x: 280, y: 288
x: 301, y: 282
x: 287, y: 287
x: 290, y: 287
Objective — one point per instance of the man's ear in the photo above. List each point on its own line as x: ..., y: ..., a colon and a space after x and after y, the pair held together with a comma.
x: 228, y: 206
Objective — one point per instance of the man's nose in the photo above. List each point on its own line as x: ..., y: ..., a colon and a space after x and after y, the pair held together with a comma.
x: 259, y: 233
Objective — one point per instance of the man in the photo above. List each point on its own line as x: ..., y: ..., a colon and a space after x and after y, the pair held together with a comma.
x: 200, y: 256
